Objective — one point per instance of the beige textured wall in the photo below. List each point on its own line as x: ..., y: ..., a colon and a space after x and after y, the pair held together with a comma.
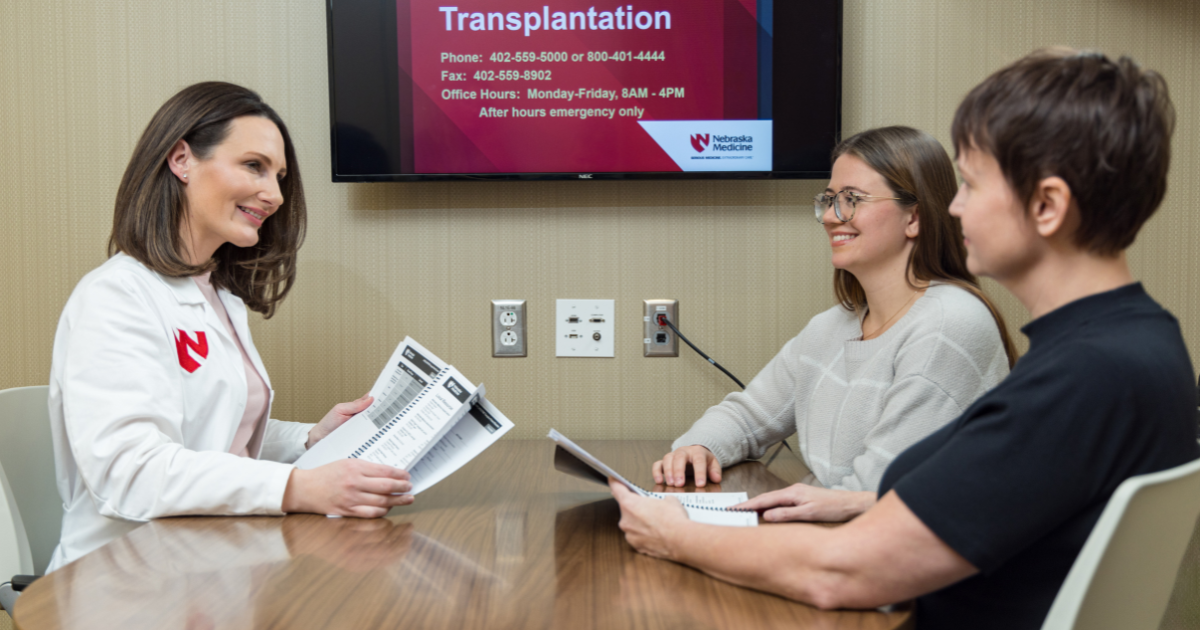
x: 78, y: 81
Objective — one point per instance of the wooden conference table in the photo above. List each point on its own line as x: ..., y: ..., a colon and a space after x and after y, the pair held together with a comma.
x: 506, y: 542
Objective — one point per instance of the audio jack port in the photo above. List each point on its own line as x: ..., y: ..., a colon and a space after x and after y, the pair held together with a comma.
x: 596, y: 336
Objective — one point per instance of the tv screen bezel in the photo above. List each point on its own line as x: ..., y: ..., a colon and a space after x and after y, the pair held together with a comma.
x: 573, y: 176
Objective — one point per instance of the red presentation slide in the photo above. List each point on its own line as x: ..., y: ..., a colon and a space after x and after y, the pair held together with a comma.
x: 512, y: 86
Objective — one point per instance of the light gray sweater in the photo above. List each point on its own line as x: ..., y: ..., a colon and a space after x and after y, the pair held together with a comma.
x: 855, y: 404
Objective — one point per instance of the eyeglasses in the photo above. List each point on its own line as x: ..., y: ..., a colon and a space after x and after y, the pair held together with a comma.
x: 822, y: 202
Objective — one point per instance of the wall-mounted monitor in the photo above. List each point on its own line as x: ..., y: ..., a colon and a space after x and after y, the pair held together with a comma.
x: 580, y: 89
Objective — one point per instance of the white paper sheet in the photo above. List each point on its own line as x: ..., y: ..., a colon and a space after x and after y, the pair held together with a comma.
x: 411, y: 364
x: 403, y: 441
x: 707, y: 507
x: 478, y: 430
x: 426, y: 418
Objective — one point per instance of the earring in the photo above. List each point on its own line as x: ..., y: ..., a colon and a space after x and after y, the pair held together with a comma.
x: 185, y: 175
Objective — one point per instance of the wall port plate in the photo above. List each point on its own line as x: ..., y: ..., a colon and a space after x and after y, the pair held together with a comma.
x: 660, y: 341
x: 584, y: 328
x: 508, y: 328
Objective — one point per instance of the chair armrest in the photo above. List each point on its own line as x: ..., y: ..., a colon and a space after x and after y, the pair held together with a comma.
x: 20, y: 582
x: 8, y: 598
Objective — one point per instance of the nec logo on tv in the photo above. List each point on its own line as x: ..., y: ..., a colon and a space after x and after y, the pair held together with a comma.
x: 699, y: 142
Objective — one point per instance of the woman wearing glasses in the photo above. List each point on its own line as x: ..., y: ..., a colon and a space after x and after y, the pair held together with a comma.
x: 911, y: 344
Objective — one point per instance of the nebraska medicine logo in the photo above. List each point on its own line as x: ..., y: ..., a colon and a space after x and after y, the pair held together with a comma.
x: 184, y: 343
x: 713, y: 145
x: 722, y: 143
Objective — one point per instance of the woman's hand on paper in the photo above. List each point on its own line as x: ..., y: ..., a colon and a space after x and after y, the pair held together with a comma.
x: 648, y: 523
x: 802, y: 502
x: 671, y: 470
x: 336, y: 417
x: 347, y: 487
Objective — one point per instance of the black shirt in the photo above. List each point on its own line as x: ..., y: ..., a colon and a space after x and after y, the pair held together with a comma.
x: 1016, y: 483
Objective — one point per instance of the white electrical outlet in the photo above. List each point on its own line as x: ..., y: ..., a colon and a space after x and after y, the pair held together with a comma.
x: 508, y: 328
x: 584, y: 328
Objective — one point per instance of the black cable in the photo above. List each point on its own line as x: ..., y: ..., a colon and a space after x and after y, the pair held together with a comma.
x: 663, y: 319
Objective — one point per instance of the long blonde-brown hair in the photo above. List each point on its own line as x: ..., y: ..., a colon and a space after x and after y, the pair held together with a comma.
x: 919, y: 172
x: 151, y: 206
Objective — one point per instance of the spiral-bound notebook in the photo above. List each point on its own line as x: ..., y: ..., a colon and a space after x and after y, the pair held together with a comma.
x: 712, y: 508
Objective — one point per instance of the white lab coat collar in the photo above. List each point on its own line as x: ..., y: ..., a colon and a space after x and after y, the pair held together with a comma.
x: 185, y: 289
x: 186, y: 292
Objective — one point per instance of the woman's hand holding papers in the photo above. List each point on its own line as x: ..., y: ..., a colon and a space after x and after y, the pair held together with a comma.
x: 336, y: 417
x: 802, y: 502
x: 671, y: 470
x: 347, y: 487
x: 649, y: 523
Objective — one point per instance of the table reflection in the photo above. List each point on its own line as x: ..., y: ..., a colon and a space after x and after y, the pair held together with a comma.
x: 638, y: 591
x: 507, y: 542
x: 351, y: 544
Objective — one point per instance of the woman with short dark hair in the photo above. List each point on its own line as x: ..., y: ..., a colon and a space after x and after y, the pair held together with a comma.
x: 1064, y: 155
x: 159, y: 401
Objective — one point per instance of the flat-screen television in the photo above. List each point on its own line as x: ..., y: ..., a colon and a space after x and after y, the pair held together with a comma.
x: 583, y: 89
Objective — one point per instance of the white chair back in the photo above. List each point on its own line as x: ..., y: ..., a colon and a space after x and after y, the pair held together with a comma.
x: 15, y: 557
x: 31, y: 502
x: 1124, y: 574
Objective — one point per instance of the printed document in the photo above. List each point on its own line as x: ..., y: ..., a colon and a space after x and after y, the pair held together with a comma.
x: 427, y: 418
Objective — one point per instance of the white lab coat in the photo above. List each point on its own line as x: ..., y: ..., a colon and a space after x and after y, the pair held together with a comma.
x: 147, y: 389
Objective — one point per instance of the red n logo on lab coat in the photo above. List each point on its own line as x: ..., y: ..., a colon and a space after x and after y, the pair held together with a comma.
x: 198, y: 345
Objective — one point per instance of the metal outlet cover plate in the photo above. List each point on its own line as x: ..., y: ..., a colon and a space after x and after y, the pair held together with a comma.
x: 509, y: 338
x: 654, y: 344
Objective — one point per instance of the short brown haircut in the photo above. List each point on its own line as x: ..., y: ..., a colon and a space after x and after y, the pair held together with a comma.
x: 1103, y: 126
x: 151, y: 205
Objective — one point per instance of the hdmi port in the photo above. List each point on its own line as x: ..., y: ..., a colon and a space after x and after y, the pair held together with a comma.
x: 574, y: 319
x: 596, y: 320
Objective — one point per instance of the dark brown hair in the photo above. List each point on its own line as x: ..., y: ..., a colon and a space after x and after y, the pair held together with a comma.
x: 151, y: 205
x: 1104, y: 127
x: 918, y: 171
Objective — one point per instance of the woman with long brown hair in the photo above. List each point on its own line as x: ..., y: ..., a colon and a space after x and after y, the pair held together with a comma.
x: 912, y: 343
x: 159, y: 401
